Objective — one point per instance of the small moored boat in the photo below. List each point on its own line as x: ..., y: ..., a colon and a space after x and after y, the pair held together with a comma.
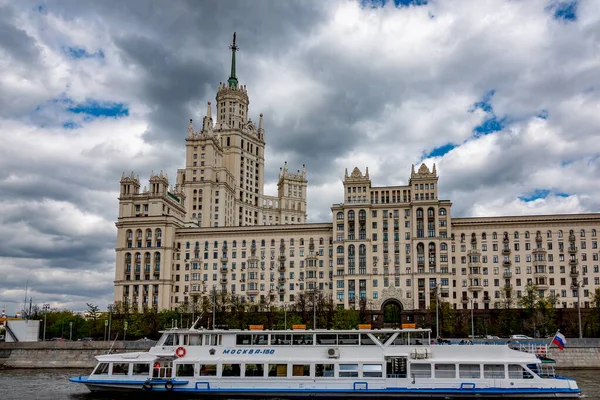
x: 325, y: 363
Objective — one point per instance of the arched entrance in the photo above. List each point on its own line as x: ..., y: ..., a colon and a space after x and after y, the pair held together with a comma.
x: 392, y: 313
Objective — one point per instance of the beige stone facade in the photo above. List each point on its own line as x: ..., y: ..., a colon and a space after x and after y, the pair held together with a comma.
x: 216, y: 229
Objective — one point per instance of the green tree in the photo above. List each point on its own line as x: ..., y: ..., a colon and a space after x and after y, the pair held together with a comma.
x: 529, y: 302
x: 345, y: 319
x: 93, y: 314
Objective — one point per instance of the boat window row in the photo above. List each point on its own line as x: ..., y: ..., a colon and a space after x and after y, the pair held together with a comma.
x: 324, y: 370
x: 469, y: 371
x: 331, y: 339
x: 174, y: 339
x: 277, y: 370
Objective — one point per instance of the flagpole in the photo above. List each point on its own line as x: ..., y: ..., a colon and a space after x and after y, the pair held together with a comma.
x: 552, y: 340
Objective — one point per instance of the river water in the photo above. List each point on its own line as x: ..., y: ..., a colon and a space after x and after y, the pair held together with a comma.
x: 25, y: 384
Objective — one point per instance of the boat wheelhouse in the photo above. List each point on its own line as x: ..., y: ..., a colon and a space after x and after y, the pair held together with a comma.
x: 325, y: 363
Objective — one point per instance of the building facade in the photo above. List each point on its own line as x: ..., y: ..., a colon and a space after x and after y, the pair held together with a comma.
x: 217, y: 230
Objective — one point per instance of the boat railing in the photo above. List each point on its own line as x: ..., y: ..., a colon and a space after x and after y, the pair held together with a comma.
x: 547, y: 371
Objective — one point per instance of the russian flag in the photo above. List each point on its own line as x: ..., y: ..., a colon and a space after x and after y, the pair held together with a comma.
x: 559, y: 340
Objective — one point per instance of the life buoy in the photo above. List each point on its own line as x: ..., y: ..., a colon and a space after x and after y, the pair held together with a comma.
x: 169, y: 385
x: 180, y: 352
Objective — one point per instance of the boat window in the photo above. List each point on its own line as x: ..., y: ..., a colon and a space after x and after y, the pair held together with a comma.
x: 195, y: 340
x: 208, y: 370
x: 278, y: 370
x: 261, y: 340
x: 445, y: 370
x: 281, y: 339
x: 141, y: 369
x: 231, y: 370
x: 327, y: 339
x: 255, y: 370
x: 243, y: 339
x: 169, y: 341
x: 401, y: 339
x: 184, y: 370
x: 347, y: 339
x: 303, y: 339
x: 372, y: 371
x: 493, y: 371
x: 419, y: 338
x: 366, y: 340
x: 213, y: 340
x: 516, y: 371
x: 469, y: 371
x: 120, y: 369
x: 348, y: 370
x: 101, y: 369
x: 420, y: 370
x: 301, y: 370
x: 324, y: 371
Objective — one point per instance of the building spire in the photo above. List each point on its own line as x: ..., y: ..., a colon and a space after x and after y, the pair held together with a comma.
x: 232, y: 78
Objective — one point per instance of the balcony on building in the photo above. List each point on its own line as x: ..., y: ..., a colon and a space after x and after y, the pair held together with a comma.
x: 506, y: 251
x: 539, y: 271
x: 538, y: 250
x: 574, y: 272
x: 572, y: 238
x: 281, y: 280
x: 281, y: 268
x: 254, y: 292
x: 281, y: 257
x: 223, y: 280
x: 224, y: 258
x: 507, y: 274
x: 506, y: 263
x: 486, y: 299
x: 573, y: 262
x: 572, y: 249
x: 281, y: 290
x: 224, y: 270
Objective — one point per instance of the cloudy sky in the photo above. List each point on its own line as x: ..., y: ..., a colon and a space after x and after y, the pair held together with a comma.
x: 502, y: 95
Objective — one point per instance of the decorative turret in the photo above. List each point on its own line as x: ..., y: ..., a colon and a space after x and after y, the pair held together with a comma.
x: 190, y: 129
x: 130, y: 185
x: 207, y: 123
x: 261, y: 128
x: 159, y: 184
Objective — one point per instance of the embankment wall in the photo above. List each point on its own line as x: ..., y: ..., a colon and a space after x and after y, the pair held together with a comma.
x: 62, y: 354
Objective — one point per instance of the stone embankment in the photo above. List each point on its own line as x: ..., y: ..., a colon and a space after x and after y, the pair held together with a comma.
x: 62, y: 354
x: 579, y: 353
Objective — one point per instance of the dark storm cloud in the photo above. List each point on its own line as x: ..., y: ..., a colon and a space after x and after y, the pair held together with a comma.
x: 15, y: 42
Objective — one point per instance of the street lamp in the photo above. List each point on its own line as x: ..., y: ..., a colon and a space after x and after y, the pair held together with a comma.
x: 471, y: 300
x: 285, y: 316
x: 46, y: 307
x: 110, y: 310
x: 314, y: 308
x: 579, y: 285
x: 437, y: 313
x: 70, y: 330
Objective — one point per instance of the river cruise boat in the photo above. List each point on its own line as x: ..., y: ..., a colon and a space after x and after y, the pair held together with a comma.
x: 323, y: 363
